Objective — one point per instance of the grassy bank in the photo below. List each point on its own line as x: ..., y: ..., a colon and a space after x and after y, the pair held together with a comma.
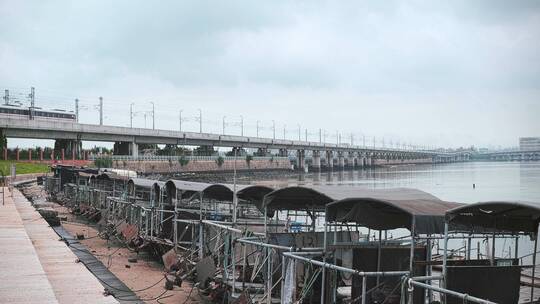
x: 22, y: 167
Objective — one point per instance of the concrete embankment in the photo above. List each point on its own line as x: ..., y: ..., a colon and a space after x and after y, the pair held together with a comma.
x: 37, y: 268
x: 164, y: 167
x: 385, y: 162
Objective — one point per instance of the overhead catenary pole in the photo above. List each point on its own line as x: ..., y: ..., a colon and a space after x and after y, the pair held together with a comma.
x: 241, y: 125
x: 274, y: 128
x: 32, y: 102
x: 131, y: 115
x: 6, y: 97
x: 153, y: 115
x: 200, y: 121
x: 299, y: 132
x: 223, y: 125
x: 284, y: 131
x: 320, y: 135
x: 76, y: 109
x: 180, y: 120
x: 101, y: 111
x: 257, y: 128
x: 32, y: 97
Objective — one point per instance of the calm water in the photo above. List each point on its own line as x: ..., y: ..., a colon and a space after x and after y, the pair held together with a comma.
x: 451, y: 182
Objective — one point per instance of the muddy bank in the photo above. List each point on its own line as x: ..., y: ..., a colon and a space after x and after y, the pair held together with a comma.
x: 243, y: 177
x: 139, y: 271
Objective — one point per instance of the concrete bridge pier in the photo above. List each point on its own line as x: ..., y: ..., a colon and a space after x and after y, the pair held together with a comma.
x: 351, y: 160
x: 362, y: 160
x: 329, y: 159
x: 316, y: 160
x: 341, y: 160
x: 134, y: 149
x: 283, y: 153
x: 301, y: 159
x: 369, y: 160
x: 126, y: 148
x: 69, y: 146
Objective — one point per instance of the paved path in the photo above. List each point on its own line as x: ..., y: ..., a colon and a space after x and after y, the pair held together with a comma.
x: 36, y: 266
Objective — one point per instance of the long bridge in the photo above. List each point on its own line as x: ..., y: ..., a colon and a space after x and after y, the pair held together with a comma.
x: 512, y: 155
x: 352, y: 155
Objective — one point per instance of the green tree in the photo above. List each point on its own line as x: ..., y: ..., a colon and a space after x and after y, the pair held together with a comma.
x: 219, y: 161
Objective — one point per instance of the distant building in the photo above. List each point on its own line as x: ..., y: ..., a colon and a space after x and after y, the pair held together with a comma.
x: 529, y: 143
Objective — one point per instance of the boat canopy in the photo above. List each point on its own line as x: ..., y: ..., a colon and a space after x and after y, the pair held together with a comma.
x: 141, y: 183
x: 212, y: 191
x: 300, y: 198
x: 255, y: 194
x: 495, y: 216
x: 384, y: 209
x: 111, y: 176
x: 314, y: 197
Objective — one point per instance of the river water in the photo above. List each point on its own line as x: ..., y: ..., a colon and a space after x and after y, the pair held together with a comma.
x: 451, y: 182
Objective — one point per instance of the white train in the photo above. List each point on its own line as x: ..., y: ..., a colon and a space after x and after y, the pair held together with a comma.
x: 16, y: 111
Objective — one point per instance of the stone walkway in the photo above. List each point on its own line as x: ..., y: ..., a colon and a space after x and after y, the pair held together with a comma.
x: 36, y: 266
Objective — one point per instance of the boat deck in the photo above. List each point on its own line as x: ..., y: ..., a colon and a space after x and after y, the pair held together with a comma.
x: 37, y: 267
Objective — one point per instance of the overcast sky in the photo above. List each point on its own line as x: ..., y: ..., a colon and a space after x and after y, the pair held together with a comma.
x: 448, y: 74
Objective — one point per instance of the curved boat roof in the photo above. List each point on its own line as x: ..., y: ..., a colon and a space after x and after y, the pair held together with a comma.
x: 318, y: 196
x: 495, y: 216
x: 253, y: 192
x: 142, y: 182
x: 300, y: 198
x: 391, y: 209
x: 213, y: 191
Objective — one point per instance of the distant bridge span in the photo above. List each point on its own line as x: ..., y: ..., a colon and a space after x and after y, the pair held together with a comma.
x: 44, y: 129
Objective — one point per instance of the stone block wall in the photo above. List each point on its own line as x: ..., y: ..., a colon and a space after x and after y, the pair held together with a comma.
x: 201, y: 165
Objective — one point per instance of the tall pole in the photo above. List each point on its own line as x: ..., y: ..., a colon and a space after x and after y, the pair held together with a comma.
x: 257, y: 128
x: 180, y: 120
x: 76, y: 109
x: 284, y: 131
x: 6, y: 97
x: 32, y: 102
x: 223, y: 132
x: 274, y: 128
x: 235, y: 199
x: 32, y: 97
x: 363, y: 140
x: 101, y: 111
x: 306, y: 134
x: 153, y: 115
x: 241, y: 125
x: 200, y: 121
x: 299, y: 131
x: 320, y: 135
x: 131, y: 115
